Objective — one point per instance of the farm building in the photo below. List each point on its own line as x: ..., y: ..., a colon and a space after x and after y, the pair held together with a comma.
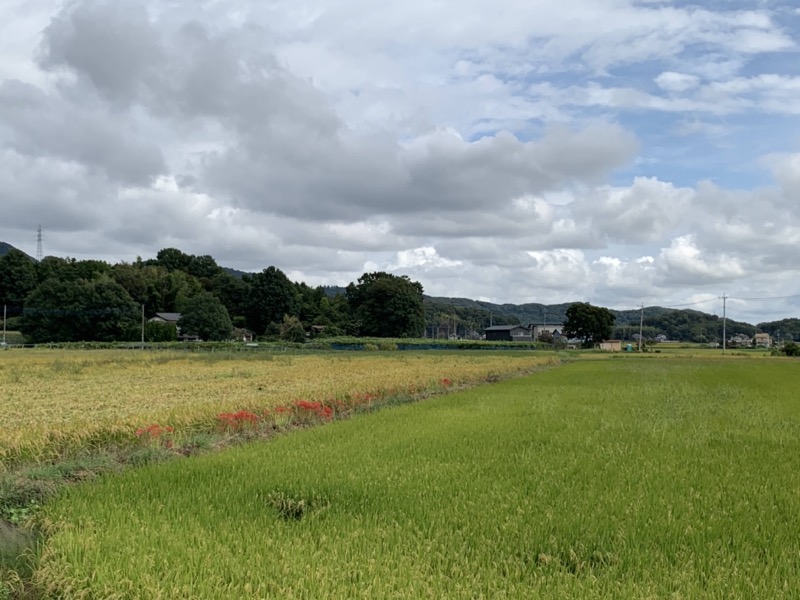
x: 611, y: 345
x: 508, y: 333
x: 554, y: 329
x: 166, y: 317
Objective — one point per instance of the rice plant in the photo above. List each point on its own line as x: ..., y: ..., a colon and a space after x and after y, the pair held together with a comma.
x: 599, y: 479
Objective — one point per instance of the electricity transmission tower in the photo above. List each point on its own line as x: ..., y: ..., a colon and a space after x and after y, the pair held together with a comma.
x: 39, y: 253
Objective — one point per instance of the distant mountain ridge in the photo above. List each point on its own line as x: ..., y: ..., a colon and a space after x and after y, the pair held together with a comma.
x: 676, y: 324
x: 468, y: 316
x: 6, y: 248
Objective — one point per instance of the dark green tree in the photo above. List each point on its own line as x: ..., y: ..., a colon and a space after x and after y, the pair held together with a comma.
x: 791, y: 349
x: 272, y: 295
x: 17, y: 280
x: 160, y: 332
x: 385, y: 305
x: 172, y: 259
x: 80, y: 310
x: 205, y: 316
x: 291, y: 330
x: 591, y: 324
x: 70, y: 268
x: 233, y: 292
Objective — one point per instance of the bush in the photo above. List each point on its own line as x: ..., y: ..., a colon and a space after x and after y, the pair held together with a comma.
x: 791, y: 349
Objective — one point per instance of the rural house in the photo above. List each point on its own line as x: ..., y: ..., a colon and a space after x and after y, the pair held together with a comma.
x: 508, y: 333
x: 763, y: 340
x: 168, y: 318
x: 555, y: 330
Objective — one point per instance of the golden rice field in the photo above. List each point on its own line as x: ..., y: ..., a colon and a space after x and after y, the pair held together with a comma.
x: 54, y: 400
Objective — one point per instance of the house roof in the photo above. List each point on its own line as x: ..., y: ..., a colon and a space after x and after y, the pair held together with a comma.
x: 168, y: 316
x: 505, y: 327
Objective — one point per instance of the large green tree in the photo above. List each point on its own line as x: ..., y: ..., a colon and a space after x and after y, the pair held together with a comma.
x: 17, y: 280
x: 74, y: 310
x: 591, y: 324
x: 385, y: 305
x: 272, y: 295
x: 205, y: 316
x: 233, y: 292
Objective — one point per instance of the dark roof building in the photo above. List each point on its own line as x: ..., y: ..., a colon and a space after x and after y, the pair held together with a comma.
x: 508, y: 333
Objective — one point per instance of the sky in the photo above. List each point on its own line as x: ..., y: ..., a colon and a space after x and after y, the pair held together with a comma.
x: 618, y: 152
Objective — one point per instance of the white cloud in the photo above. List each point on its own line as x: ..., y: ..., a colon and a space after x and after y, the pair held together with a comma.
x: 516, y: 152
x: 677, y: 82
x: 683, y: 262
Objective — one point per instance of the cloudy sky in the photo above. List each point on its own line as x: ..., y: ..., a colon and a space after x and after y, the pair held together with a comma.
x: 612, y: 151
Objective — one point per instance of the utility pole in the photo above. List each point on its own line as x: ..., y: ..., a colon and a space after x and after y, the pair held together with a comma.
x: 641, y: 326
x: 724, y: 321
x: 4, y: 325
x: 142, y: 326
x: 544, y: 320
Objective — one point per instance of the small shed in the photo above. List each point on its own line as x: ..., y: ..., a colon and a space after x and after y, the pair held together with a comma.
x: 611, y: 345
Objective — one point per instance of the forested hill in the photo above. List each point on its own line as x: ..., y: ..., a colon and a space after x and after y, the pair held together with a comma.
x: 268, y: 302
x: 5, y: 248
x: 783, y: 329
x: 675, y: 324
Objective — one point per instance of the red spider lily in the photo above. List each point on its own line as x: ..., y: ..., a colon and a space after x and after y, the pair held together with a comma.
x: 238, y: 420
x: 306, y: 408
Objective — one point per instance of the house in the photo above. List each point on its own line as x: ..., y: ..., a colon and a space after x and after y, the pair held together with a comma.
x: 240, y: 334
x: 554, y: 330
x: 763, y: 340
x: 740, y: 340
x: 508, y: 333
x: 167, y: 318
x: 611, y: 345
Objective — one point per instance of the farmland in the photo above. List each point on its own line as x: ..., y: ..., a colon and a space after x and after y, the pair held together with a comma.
x: 56, y: 400
x: 610, y: 478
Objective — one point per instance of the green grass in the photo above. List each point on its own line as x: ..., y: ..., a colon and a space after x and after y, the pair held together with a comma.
x: 633, y: 478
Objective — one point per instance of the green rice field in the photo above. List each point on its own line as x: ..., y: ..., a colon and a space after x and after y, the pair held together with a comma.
x: 619, y: 477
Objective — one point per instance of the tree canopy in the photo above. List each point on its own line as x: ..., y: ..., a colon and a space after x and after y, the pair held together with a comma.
x: 591, y: 324
x: 17, y: 279
x: 385, y: 305
x: 80, y: 310
x: 206, y: 317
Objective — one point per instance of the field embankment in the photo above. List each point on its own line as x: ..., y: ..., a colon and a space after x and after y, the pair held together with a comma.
x: 623, y: 478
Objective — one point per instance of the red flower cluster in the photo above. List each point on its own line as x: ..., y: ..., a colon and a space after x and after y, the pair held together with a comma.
x: 446, y: 382
x: 307, y: 407
x: 238, y: 421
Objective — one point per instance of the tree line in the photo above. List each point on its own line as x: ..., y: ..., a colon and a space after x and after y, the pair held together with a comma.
x: 64, y: 299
